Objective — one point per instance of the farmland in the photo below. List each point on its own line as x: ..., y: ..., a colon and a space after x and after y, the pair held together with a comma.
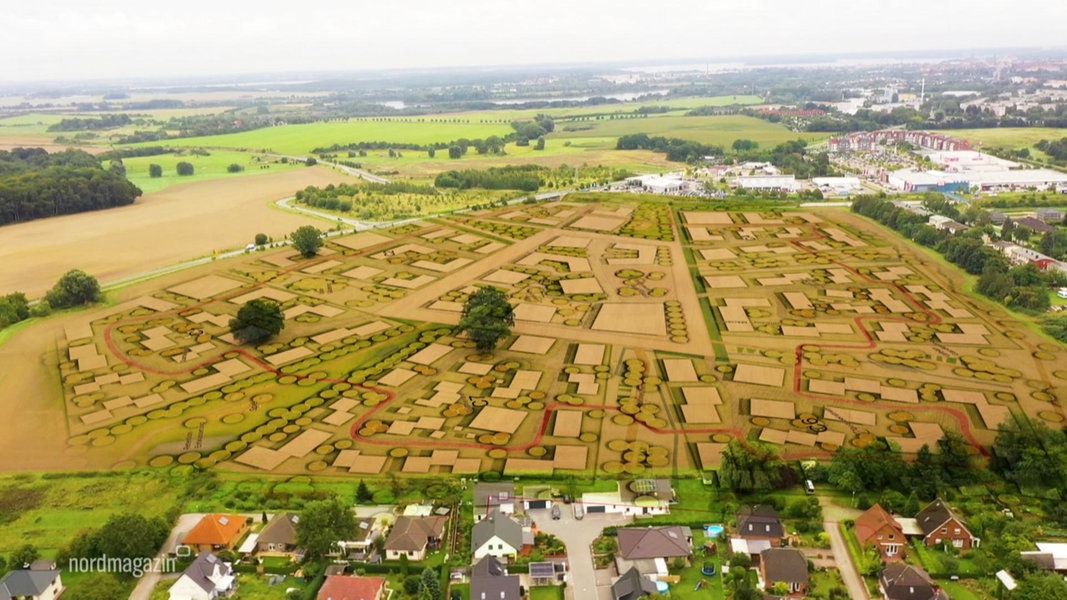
x: 213, y: 166
x: 1009, y: 137
x: 647, y: 336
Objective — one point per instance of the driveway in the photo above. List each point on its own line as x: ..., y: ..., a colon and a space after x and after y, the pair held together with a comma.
x: 832, y: 515
x: 578, y: 535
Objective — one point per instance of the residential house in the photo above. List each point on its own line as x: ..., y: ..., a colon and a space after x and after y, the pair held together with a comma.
x: 1049, y: 556
x: 784, y: 565
x: 1050, y: 216
x: 496, y: 535
x: 649, y: 549
x: 216, y: 532
x: 489, y: 496
x: 1034, y: 224
x: 412, y: 536
x: 343, y: 587
x: 940, y: 525
x: 490, y: 581
x: 360, y: 547
x: 758, y: 528
x: 207, y: 578
x: 32, y: 584
x: 997, y: 218
x: 632, y: 585
x: 876, y: 527
x: 278, y: 537
x: 638, y: 497
x: 901, y: 581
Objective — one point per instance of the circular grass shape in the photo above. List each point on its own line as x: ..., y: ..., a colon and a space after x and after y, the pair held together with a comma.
x: 588, y: 437
x: 1042, y: 396
x: 277, y: 436
x: 251, y: 437
x: 304, y: 421
x: 196, y: 401
x: 532, y: 406
x: 286, y: 380
x: 497, y: 453
x: 899, y: 429
x: 121, y: 429
x: 189, y: 458
x: 1015, y: 335
x: 622, y: 420
x: 344, y: 444
x: 1052, y: 416
x: 78, y: 440
x: 235, y: 446
x: 311, y: 403
x: 233, y: 418
x: 137, y: 420
x: 634, y: 468
x: 537, y: 451
x: 104, y: 440
x: 398, y: 452
x: 194, y: 422
x: 329, y: 394
x: 304, y: 382
x: 990, y: 352
x: 220, y: 455
x: 324, y: 449
x: 658, y: 461
x: 1042, y: 355
x: 612, y: 467
x: 721, y: 438
x: 596, y: 413
x: 761, y: 421
x: 618, y: 445
x: 163, y: 460
x: 290, y: 429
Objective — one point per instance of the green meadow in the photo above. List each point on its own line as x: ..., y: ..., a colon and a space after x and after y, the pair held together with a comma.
x: 204, y: 167
x: 1010, y: 137
x: 716, y: 130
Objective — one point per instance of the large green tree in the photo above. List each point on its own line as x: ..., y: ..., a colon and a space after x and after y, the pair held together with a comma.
x: 257, y: 320
x: 1044, y: 586
x: 307, y: 240
x: 74, y: 288
x: 322, y: 524
x: 96, y: 586
x: 745, y: 469
x: 487, y: 317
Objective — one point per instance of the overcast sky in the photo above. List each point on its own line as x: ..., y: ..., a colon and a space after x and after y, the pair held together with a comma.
x: 90, y: 39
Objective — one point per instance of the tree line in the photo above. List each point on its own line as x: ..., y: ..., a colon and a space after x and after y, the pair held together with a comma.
x: 511, y: 177
x: 1021, y: 287
x: 35, y: 184
x: 677, y: 150
x: 92, y: 123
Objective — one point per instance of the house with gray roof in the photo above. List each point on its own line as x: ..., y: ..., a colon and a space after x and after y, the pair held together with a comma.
x: 278, y: 537
x: 901, y: 581
x: 632, y: 585
x: 496, y: 535
x: 207, y: 578
x: 787, y: 565
x: 941, y: 525
x: 636, y: 543
x: 35, y: 585
x: 490, y: 581
x: 493, y: 496
x: 758, y: 528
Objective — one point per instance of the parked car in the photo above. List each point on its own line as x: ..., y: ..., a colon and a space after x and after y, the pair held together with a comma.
x: 579, y: 512
x: 556, y: 512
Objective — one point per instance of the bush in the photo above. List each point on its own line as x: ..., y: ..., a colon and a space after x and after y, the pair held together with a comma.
x: 185, y: 169
x: 234, y: 168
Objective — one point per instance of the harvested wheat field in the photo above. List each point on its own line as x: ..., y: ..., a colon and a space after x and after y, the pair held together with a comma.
x: 177, y: 224
x: 827, y: 336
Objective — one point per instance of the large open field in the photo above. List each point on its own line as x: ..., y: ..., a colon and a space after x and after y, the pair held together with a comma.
x: 1009, y: 137
x: 213, y: 166
x: 717, y: 130
x: 648, y: 335
x: 167, y: 227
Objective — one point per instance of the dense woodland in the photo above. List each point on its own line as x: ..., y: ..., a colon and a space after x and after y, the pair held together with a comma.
x: 35, y: 184
x: 525, y: 177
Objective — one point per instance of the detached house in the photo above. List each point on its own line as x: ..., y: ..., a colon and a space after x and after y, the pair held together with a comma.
x: 341, y: 587
x: 878, y: 528
x: 638, y: 497
x: 758, y: 528
x: 632, y: 585
x: 490, y: 581
x: 940, y: 525
x: 496, y: 535
x: 32, y: 584
x: 207, y: 578
x: 649, y: 549
x: 905, y: 582
x: 412, y: 536
x: 787, y: 565
x: 278, y: 537
x: 216, y: 532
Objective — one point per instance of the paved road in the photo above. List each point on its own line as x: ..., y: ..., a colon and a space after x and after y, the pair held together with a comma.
x: 578, y: 537
x: 832, y: 515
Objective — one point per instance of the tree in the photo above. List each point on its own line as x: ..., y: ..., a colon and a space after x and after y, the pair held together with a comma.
x: 261, y: 239
x: 455, y: 151
x: 540, y: 145
x: 74, y: 288
x: 322, y: 523
x: 3, y: 564
x: 185, y: 169
x: 1056, y: 327
x: 13, y: 308
x: 1044, y: 586
x: 257, y: 320
x: 363, y: 493
x: 487, y: 317
x: 24, y: 556
x: 310, y: 161
x: 431, y: 584
x: 234, y: 168
x: 307, y: 240
x: 743, y: 145
x: 155, y: 170
x: 117, y: 168
x: 97, y: 586
x: 130, y: 535
x: 745, y: 470
x: 431, y: 152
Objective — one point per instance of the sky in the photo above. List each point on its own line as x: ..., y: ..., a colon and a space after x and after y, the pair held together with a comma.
x: 104, y: 39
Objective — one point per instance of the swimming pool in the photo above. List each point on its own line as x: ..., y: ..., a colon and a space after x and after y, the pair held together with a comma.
x: 662, y: 587
x: 713, y: 531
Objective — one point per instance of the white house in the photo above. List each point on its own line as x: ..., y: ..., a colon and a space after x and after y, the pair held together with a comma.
x: 496, y: 535
x: 207, y: 578
x: 493, y: 496
x: 636, y: 497
x: 36, y: 585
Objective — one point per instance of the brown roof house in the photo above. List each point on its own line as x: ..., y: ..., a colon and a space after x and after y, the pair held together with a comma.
x: 278, y: 537
x: 412, y: 536
x: 216, y: 532
x: 342, y: 587
x: 941, y: 525
x: 878, y: 528
x: 900, y: 581
x: 786, y: 565
x: 758, y: 528
x: 649, y: 549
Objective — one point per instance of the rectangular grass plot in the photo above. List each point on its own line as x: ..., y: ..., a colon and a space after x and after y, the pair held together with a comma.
x: 759, y: 375
x: 205, y: 287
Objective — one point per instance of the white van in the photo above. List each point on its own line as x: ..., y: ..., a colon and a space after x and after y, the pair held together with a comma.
x: 809, y: 487
x: 1062, y: 293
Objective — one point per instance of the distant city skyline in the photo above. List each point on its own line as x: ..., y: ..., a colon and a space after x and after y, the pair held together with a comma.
x: 109, y: 39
